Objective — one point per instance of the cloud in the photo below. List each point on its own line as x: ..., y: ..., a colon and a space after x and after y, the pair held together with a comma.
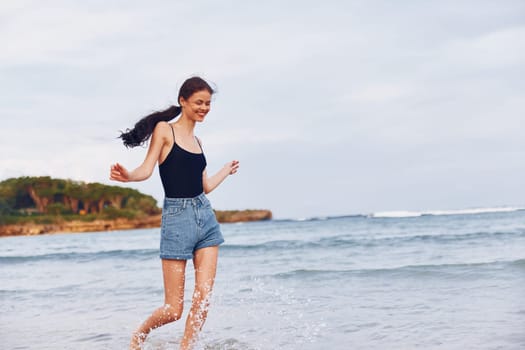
x: 59, y: 34
x: 380, y: 93
x: 350, y: 103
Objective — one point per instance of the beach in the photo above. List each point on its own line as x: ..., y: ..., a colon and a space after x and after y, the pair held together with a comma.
x: 442, y: 281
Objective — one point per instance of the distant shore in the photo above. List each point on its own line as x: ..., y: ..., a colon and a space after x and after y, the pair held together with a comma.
x: 34, y: 205
x: 31, y: 229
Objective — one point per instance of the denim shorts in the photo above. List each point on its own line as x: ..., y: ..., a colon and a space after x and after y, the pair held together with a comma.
x: 188, y: 224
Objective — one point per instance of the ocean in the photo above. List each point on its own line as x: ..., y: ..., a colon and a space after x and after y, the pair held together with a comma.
x: 436, y: 280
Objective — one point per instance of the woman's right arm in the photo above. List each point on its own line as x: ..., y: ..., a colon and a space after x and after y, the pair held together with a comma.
x: 144, y: 171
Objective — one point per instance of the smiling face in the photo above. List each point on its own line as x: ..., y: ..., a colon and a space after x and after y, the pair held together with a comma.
x: 197, y: 105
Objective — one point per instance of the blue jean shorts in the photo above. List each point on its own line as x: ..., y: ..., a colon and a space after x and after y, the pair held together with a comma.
x: 188, y: 224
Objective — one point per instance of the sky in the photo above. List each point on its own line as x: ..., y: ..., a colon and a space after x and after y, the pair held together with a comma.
x: 332, y: 107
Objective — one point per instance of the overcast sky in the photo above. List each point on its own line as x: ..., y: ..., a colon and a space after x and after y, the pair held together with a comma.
x: 332, y: 107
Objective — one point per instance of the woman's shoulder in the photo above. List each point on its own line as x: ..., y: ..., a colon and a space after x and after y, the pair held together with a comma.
x: 162, y: 131
x: 162, y: 127
x: 199, y: 141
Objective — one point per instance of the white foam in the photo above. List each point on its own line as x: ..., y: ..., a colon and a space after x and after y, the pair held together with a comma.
x: 312, y: 218
x: 408, y: 214
x: 395, y: 214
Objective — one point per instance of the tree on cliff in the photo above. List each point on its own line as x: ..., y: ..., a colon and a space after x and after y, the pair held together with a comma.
x: 29, y: 194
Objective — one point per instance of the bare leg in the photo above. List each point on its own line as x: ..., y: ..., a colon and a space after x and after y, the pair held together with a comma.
x: 205, y: 262
x: 173, y: 273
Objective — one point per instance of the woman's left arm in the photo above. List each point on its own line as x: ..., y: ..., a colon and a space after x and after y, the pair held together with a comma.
x: 210, y: 183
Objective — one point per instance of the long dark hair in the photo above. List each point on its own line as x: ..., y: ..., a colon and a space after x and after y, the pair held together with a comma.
x: 144, y: 127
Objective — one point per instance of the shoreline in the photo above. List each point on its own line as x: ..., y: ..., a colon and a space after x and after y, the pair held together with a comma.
x: 77, y: 226
x: 100, y: 225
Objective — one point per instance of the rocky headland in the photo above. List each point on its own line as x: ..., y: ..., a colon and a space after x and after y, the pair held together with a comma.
x: 39, y: 205
x: 28, y: 229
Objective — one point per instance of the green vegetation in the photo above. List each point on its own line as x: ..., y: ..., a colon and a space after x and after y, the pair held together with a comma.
x: 44, y: 200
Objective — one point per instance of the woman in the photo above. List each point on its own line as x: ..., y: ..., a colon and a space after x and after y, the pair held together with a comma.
x: 189, y: 228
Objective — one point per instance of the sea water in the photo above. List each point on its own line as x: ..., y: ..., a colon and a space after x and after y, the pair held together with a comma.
x: 386, y: 281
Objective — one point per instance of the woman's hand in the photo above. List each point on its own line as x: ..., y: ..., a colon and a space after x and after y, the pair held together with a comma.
x: 119, y: 173
x: 210, y: 183
x: 232, y: 167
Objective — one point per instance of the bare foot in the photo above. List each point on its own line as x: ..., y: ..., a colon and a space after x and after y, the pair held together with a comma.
x: 137, y: 339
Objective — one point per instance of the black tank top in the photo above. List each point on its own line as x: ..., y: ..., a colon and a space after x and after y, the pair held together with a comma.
x: 181, y: 172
